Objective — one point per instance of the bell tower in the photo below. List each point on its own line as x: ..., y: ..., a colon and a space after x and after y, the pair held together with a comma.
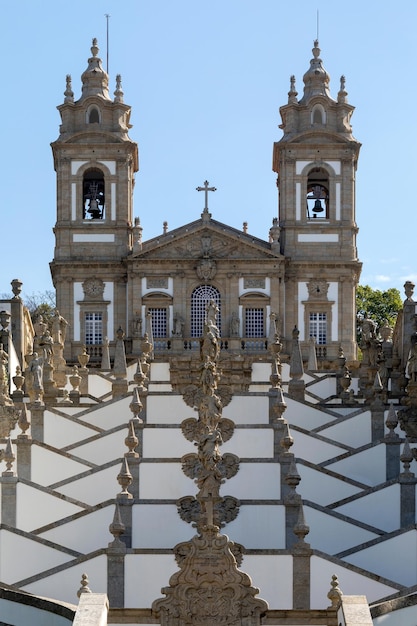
x: 316, y: 162
x: 95, y: 163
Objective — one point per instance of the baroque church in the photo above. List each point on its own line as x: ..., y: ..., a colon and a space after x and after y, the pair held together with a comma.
x: 192, y: 440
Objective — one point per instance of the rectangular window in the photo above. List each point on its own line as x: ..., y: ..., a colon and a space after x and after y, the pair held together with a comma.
x: 254, y: 322
x: 159, y: 321
x: 93, y: 328
x: 318, y: 327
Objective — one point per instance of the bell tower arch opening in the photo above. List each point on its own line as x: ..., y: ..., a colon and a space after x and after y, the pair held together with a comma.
x: 93, y: 195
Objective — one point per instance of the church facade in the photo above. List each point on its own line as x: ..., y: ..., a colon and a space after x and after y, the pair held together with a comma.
x: 186, y: 443
x: 106, y: 276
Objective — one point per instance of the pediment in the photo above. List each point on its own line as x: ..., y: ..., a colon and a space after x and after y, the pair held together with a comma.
x: 205, y: 240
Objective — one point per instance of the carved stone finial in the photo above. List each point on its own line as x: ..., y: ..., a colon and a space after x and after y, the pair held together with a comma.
x: 16, y: 288
x: 119, y: 91
x: 84, y: 586
x: 136, y: 405
x: 68, y: 93
x: 23, y: 421
x: 132, y: 441
x: 9, y: 458
x: 293, y: 93
x: 391, y: 422
x: 335, y: 594
x: 117, y: 528
x: 124, y: 478
x: 406, y: 457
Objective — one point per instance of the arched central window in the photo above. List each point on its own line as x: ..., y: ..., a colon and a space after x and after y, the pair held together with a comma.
x: 200, y: 297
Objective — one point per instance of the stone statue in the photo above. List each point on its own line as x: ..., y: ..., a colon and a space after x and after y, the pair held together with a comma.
x: 59, y: 328
x: 36, y: 369
x: 178, y: 330
x: 368, y: 328
x: 137, y: 325
x: 4, y: 359
x: 412, y: 364
x: 211, y: 312
x: 234, y: 325
x: 46, y: 342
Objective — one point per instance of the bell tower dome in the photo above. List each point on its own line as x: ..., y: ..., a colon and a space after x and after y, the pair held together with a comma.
x: 316, y: 162
x: 95, y: 163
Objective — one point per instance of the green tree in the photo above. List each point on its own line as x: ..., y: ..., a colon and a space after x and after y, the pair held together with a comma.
x: 380, y: 306
x: 41, y: 303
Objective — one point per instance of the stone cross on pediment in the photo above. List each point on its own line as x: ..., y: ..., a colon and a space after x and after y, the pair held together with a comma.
x: 206, y: 189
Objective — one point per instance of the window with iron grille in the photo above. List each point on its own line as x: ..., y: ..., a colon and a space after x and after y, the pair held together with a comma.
x: 200, y: 297
x: 318, y: 327
x: 159, y: 321
x: 254, y: 322
x: 93, y: 328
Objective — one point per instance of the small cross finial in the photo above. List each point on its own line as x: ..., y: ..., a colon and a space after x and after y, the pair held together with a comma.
x: 206, y: 189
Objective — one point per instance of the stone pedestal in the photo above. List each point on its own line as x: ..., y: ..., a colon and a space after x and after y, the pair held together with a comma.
x: 37, y: 411
x: 24, y: 456
x: 8, y: 500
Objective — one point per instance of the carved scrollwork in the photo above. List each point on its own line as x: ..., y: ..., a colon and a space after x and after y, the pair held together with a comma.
x: 189, y: 510
x: 190, y: 465
x: 226, y: 510
x: 227, y: 428
x: 229, y: 465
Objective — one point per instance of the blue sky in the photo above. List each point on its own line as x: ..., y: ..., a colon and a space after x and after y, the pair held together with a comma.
x: 205, y: 81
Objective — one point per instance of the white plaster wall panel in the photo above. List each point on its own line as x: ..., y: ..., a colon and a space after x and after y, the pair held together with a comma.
x: 50, y: 467
x: 323, y: 388
x: 103, y: 449
x: 272, y: 574
x: 60, y: 432
x: 393, y: 559
x: 109, y: 415
x: 84, y: 534
x: 260, y: 481
x: 33, y: 557
x: 15, y: 613
x: 285, y: 371
x: 158, y: 526
x: 145, y: 575
x: 169, y: 409
x: 368, y: 466
x: 164, y: 481
x: 94, y: 488
x: 333, y: 535
x: 251, y: 443
x: 159, y: 387
x: 373, y: 508
x: 165, y: 443
x: 261, y: 372
x: 351, y: 582
x: 321, y: 488
x: 354, y: 432
x: 259, y: 527
x: 247, y: 410
x: 311, y: 448
x: 35, y: 508
x: 160, y: 372
x: 98, y: 386
x: 64, y: 585
x: 402, y: 617
x: 305, y: 416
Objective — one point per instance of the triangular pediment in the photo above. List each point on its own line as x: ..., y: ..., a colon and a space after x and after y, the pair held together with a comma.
x: 205, y: 238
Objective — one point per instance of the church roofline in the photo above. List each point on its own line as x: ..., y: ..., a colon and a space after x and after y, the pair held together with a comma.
x: 201, y: 225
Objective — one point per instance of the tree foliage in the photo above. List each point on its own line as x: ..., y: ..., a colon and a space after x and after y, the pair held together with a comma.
x: 380, y: 306
x: 41, y: 303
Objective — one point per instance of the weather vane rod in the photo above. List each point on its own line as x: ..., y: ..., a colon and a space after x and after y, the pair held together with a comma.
x: 107, y: 16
